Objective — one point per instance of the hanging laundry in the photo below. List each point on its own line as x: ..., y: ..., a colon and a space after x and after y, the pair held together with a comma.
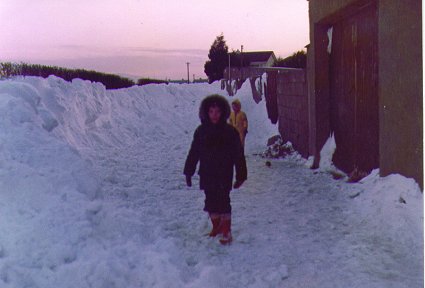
x: 223, y: 84
x: 235, y: 86
x: 255, y: 94
x: 259, y: 85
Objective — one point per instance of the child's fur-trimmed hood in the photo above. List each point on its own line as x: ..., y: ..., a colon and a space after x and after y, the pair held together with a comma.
x: 214, y: 100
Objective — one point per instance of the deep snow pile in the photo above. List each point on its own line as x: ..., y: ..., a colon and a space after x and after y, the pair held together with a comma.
x: 92, y: 195
x: 46, y: 190
x: 51, y: 133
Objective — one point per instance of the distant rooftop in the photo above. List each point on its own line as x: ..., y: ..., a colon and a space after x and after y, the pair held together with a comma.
x: 251, y: 57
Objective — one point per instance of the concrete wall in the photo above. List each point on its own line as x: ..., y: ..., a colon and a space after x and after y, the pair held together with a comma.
x: 400, y: 88
x: 400, y: 81
x: 321, y: 9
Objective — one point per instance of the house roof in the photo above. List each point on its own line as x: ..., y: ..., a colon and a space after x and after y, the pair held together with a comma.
x: 249, y: 57
x: 260, y: 56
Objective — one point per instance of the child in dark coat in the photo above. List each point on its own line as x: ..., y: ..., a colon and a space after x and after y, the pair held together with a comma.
x: 218, y: 148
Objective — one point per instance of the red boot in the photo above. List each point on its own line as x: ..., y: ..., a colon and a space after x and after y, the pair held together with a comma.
x: 215, y: 220
x: 226, y: 237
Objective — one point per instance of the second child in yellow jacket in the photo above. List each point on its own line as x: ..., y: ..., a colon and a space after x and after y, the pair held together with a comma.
x: 238, y: 120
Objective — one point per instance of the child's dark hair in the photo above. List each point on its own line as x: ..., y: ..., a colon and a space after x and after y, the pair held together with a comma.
x: 214, y: 100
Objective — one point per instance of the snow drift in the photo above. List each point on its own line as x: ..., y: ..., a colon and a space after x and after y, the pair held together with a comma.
x: 51, y: 135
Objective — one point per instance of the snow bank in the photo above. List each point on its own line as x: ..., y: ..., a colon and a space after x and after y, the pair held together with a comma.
x: 393, y: 204
x: 46, y: 191
x: 387, y: 214
x: 56, y: 138
x: 397, y: 202
x: 88, y: 116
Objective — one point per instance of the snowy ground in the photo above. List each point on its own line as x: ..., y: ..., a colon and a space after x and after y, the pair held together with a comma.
x: 92, y: 195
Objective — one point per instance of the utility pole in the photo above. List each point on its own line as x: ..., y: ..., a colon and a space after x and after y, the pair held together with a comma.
x: 242, y: 74
x: 187, y: 63
x: 241, y: 55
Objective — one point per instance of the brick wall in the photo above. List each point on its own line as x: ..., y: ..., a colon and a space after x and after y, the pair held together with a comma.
x: 292, y: 104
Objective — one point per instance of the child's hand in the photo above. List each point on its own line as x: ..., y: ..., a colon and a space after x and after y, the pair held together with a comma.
x: 188, y: 181
x: 237, y: 184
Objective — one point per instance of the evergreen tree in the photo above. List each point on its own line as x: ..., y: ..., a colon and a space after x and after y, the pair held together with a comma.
x: 214, y: 67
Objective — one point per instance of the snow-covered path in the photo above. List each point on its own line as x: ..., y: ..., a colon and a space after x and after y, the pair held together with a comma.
x: 293, y: 227
x: 101, y: 201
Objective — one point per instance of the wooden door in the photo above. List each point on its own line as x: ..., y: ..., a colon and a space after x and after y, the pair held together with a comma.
x: 354, y: 111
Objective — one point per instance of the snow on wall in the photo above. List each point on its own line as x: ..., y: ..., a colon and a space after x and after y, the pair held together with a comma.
x: 327, y: 153
x: 330, y: 33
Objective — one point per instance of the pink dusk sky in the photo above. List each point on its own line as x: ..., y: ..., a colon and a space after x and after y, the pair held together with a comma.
x: 146, y: 38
